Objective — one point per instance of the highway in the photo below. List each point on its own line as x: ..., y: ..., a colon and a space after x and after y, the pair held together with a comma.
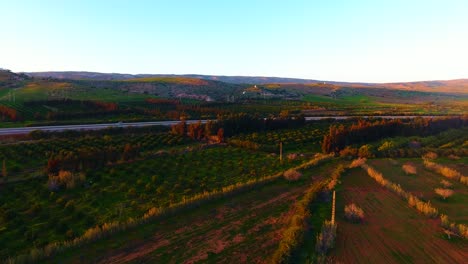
x: 26, y: 130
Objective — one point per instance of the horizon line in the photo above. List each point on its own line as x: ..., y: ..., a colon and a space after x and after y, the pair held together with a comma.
x: 245, y: 76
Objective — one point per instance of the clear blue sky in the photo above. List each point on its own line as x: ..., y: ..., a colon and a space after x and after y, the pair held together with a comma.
x: 374, y: 41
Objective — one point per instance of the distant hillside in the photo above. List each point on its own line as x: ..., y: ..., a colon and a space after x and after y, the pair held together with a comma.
x: 450, y: 86
x: 78, y: 75
x: 169, y: 87
x: 10, y: 79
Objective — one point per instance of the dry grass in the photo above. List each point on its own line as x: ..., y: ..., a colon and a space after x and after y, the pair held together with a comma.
x: 446, y: 183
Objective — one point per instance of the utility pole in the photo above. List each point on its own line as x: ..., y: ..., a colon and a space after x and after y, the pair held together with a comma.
x: 333, y: 209
x: 281, y: 152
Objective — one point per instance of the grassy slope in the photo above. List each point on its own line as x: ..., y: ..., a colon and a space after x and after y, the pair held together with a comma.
x: 392, y: 232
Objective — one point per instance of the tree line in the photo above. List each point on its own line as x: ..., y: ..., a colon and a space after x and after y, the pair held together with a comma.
x: 364, y: 131
x: 233, y: 124
x: 8, y: 114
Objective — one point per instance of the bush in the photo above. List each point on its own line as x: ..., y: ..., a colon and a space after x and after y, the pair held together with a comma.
x: 365, y: 151
x: 457, y: 229
x: 424, y: 207
x: 453, y: 157
x: 353, y: 213
x: 65, y: 179
x: 357, y: 162
x: 409, y: 168
x: 444, y: 193
x: 292, y: 175
x: 446, y: 183
x: 430, y: 155
x: 349, y: 152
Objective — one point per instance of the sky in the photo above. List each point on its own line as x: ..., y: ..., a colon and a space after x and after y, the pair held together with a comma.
x: 353, y: 40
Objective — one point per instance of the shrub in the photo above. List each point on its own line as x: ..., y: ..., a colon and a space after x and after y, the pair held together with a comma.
x: 65, y: 179
x: 292, y: 156
x: 457, y: 229
x: 444, y: 193
x: 349, y: 152
x: 353, y: 213
x: 357, y: 162
x: 446, y: 183
x: 386, y: 146
x: 424, y: 207
x: 365, y: 151
x: 409, y: 168
x: 430, y: 155
x: 292, y: 175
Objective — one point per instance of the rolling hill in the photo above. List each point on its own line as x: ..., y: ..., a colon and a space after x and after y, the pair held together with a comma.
x: 443, y: 86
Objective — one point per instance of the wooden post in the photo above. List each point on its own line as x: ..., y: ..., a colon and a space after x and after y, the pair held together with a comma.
x: 333, y: 208
x: 281, y: 152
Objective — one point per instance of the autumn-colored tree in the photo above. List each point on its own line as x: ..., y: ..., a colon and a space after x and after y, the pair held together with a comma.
x: 129, y: 152
x: 52, y: 166
x: 220, y: 135
x: 179, y: 129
